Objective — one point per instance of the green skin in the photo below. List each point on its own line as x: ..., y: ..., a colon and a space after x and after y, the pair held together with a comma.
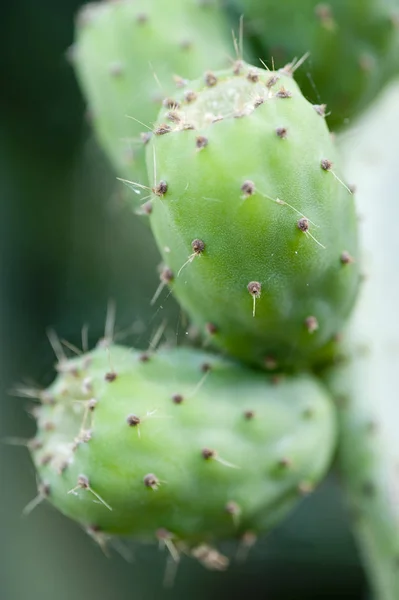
x: 353, y: 46
x: 125, y: 55
x: 307, y: 289
x: 274, y: 442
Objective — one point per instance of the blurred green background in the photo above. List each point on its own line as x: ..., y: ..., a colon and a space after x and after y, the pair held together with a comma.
x: 68, y: 245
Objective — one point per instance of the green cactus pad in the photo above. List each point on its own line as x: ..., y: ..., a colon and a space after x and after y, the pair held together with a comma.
x: 353, y: 47
x: 126, y: 54
x: 253, y: 219
x: 180, y: 444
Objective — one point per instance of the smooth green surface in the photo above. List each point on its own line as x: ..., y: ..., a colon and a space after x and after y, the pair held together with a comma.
x: 126, y: 54
x: 255, y: 237
x: 264, y: 462
x: 353, y: 46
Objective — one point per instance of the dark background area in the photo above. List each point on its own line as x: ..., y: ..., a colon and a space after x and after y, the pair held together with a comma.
x: 69, y: 243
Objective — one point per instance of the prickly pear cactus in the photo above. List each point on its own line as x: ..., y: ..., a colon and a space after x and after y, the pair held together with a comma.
x: 255, y: 224
x: 126, y: 54
x: 180, y: 445
x: 353, y: 46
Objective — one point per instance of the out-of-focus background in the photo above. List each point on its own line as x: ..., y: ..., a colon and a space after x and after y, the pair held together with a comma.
x: 68, y: 245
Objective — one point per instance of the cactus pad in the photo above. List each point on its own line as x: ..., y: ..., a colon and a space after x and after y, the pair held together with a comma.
x: 126, y: 54
x: 179, y: 445
x: 253, y: 219
x: 353, y: 46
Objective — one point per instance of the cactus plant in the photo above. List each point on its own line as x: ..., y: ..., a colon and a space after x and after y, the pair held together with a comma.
x: 257, y: 229
x: 259, y: 236
x: 181, y: 445
x: 353, y: 47
x: 126, y: 54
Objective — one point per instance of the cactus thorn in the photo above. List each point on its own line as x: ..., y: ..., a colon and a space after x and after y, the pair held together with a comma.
x: 151, y: 481
x: 201, y: 142
x: 177, y: 398
x: 254, y: 288
x: 249, y: 415
x: 346, y: 258
x: 110, y: 377
x: 248, y: 188
x: 311, y: 324
x: 281, y: 132
x: 210, y: 79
